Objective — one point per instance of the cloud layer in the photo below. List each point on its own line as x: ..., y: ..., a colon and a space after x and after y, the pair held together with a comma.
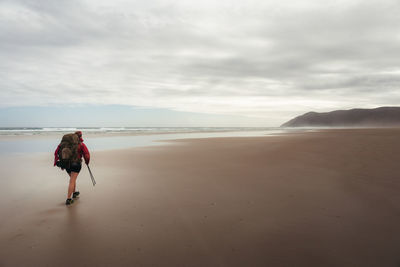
x: 265, y: 59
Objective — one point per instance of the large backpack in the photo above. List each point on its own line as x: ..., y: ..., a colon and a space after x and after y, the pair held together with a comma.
x: 68, y: 150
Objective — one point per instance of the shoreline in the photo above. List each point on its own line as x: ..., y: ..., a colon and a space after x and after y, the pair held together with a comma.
x: 99, y: 133
x: 109, y: 142
x: 283, y: 130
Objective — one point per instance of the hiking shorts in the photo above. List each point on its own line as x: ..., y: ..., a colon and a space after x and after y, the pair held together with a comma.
x: 75, y: 167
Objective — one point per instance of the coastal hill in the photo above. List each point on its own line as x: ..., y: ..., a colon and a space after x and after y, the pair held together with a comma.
x: 378, y: 117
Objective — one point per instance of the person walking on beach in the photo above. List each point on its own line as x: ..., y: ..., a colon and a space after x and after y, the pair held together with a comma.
x: 68, y: 156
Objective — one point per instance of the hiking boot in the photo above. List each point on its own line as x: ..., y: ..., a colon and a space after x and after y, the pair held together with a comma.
x: 75, y: 194
x: 69, y: 201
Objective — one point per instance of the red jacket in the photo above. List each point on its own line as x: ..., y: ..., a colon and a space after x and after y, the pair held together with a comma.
x: 82, y: 151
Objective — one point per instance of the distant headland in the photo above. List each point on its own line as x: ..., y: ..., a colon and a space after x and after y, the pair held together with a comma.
x: 377, y: 117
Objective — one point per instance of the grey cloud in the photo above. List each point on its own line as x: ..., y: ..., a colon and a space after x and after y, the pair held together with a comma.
x: 172, y: 54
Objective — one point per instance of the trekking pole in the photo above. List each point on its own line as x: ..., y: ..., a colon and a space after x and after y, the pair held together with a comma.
x: 91, y: 176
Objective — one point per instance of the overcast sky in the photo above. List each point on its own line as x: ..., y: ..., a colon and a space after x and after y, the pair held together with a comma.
x: 258, y: 62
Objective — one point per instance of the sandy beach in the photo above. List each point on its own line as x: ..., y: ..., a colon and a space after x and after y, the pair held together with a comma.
x: 329, y: 198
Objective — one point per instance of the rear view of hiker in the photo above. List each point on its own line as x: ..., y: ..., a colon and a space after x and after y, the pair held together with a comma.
x: 68, y: 156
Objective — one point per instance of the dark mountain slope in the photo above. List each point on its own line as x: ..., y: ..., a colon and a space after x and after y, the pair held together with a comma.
x: 378, y: 117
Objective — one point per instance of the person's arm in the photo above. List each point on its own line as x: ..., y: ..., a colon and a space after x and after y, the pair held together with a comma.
x: 85, y: 152
x: 56, y: 155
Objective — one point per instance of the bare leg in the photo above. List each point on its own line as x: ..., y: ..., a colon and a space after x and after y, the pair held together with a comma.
x: 72, y: 184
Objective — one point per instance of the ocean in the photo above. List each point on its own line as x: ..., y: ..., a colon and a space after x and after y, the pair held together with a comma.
x: 26, y: 140
x: 12, y: 131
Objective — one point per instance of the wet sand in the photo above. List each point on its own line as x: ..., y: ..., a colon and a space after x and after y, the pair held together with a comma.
x: 328, y: 198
